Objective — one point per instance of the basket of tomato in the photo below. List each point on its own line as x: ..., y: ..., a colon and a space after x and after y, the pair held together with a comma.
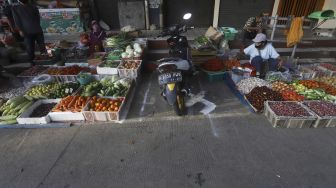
x: 103, y: 109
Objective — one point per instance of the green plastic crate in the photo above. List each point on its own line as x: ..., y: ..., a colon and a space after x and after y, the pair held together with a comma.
x: 215, y: 76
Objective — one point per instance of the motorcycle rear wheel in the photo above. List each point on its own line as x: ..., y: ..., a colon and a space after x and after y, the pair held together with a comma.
x: 179, y: 105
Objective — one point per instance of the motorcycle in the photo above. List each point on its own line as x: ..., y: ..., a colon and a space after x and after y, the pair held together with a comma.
x: 174, y: 71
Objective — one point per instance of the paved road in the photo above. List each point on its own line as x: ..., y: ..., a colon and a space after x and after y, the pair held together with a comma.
x: 231, y: 147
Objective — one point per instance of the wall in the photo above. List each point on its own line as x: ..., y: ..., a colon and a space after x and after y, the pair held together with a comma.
x: 330, y: 24
x: 234, y: 13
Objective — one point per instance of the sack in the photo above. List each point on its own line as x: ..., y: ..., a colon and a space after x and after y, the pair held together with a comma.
x: 213, y: 34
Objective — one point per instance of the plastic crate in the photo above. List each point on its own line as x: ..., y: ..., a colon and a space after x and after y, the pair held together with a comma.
x: 129, y: 73
x: 215, y: 76
x: 322, y: 121
x: 93, y: 116
x: 288, y: 122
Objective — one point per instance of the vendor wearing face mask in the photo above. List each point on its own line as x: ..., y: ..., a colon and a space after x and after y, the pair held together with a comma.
x: 262, y: 53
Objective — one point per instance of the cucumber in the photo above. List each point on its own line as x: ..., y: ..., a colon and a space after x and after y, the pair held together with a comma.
x: 21, y: 106
x: 25, y: 107
x: 16, y: 101
x: 7, y: 118
x: 9, y: 122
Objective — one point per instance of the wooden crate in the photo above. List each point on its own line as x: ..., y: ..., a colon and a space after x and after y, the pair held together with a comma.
x: 321, y: 121
x: 288, y: 122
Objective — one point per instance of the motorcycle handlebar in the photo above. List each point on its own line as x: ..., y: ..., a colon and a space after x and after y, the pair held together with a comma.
x: 179, y: 30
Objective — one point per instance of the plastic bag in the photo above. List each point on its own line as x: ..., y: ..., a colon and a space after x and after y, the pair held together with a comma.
x: 278, y: 76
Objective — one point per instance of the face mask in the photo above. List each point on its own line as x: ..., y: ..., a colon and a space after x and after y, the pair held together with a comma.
x: 260, y: 46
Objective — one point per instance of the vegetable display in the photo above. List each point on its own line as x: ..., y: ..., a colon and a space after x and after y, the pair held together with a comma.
x: 289, y: 95
x: 245, y: 86
x: 331, y: 80
x: 130, y: 64
x: 42, y: 110
x: 13, y: 108
x: 281, y: 86
x: 51, y: 91
x: 289, y: 109
x: 119, y: 41
x: 259, y: 95
x: 134, y: 51
x: 115, y: 89
x: 41, y: 91
x: 70, y: 70
x: 310, y: 84
x: 34, y: 71
x: 63, y: 90
x: 110, y: 63
x: 322, y: 108
x: 105, y: 105
x: 71, y: 103
x: 91, y: 89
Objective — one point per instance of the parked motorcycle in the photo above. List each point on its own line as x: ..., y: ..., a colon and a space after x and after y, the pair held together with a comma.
x: 175, y: 70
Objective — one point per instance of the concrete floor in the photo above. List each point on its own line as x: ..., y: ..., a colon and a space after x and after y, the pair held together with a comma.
x: 231, y: 147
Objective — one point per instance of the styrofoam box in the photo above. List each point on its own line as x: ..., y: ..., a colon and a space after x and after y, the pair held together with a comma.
x: 107, y: 70
x: 25, y: 119
x: 66, y: 116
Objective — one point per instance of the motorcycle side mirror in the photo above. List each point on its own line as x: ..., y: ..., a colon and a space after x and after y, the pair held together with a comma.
x: 187, y: 16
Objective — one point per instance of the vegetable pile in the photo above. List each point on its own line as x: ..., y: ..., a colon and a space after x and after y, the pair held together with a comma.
x: 132, y: 52
x: 114, y: 88
x: 119, y: 41
x: 105, y: 105
x: 322, y: 108
x: 91, y: 89
x: 71, y: 103
x: 42, y: 110
x: 288, y: 109
x: 259, y: 95
x: 245, y: 86
x: 63, y: 90
x: 129, y: 64
x: 290, y: 95
x: 12, y: 109
x: 51, y: 91
x: 110, y: 63
x: 70, y: 70
x: 33, y: 71
x: 331, y: 80
x: 281, y: 86
x: 41, y: 91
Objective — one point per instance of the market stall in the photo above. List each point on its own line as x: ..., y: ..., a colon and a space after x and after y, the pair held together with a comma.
x: 97, y: 87
x: 302, y: 97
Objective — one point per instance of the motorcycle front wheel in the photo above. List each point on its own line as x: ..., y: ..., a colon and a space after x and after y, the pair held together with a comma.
x: 179, y: 105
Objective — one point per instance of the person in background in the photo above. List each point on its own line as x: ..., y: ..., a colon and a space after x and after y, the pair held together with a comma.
x: 27, y: 20
x: 263, y: 53
x: 252, y: 27
x: 97, y: 35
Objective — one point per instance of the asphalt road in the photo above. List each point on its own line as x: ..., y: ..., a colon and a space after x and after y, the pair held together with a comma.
x: 231, y: 147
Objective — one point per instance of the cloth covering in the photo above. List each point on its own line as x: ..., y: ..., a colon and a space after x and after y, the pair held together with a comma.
x: 295, y: 32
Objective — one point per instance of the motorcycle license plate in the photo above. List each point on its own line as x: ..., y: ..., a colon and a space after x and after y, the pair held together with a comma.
x: 171, y: 77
